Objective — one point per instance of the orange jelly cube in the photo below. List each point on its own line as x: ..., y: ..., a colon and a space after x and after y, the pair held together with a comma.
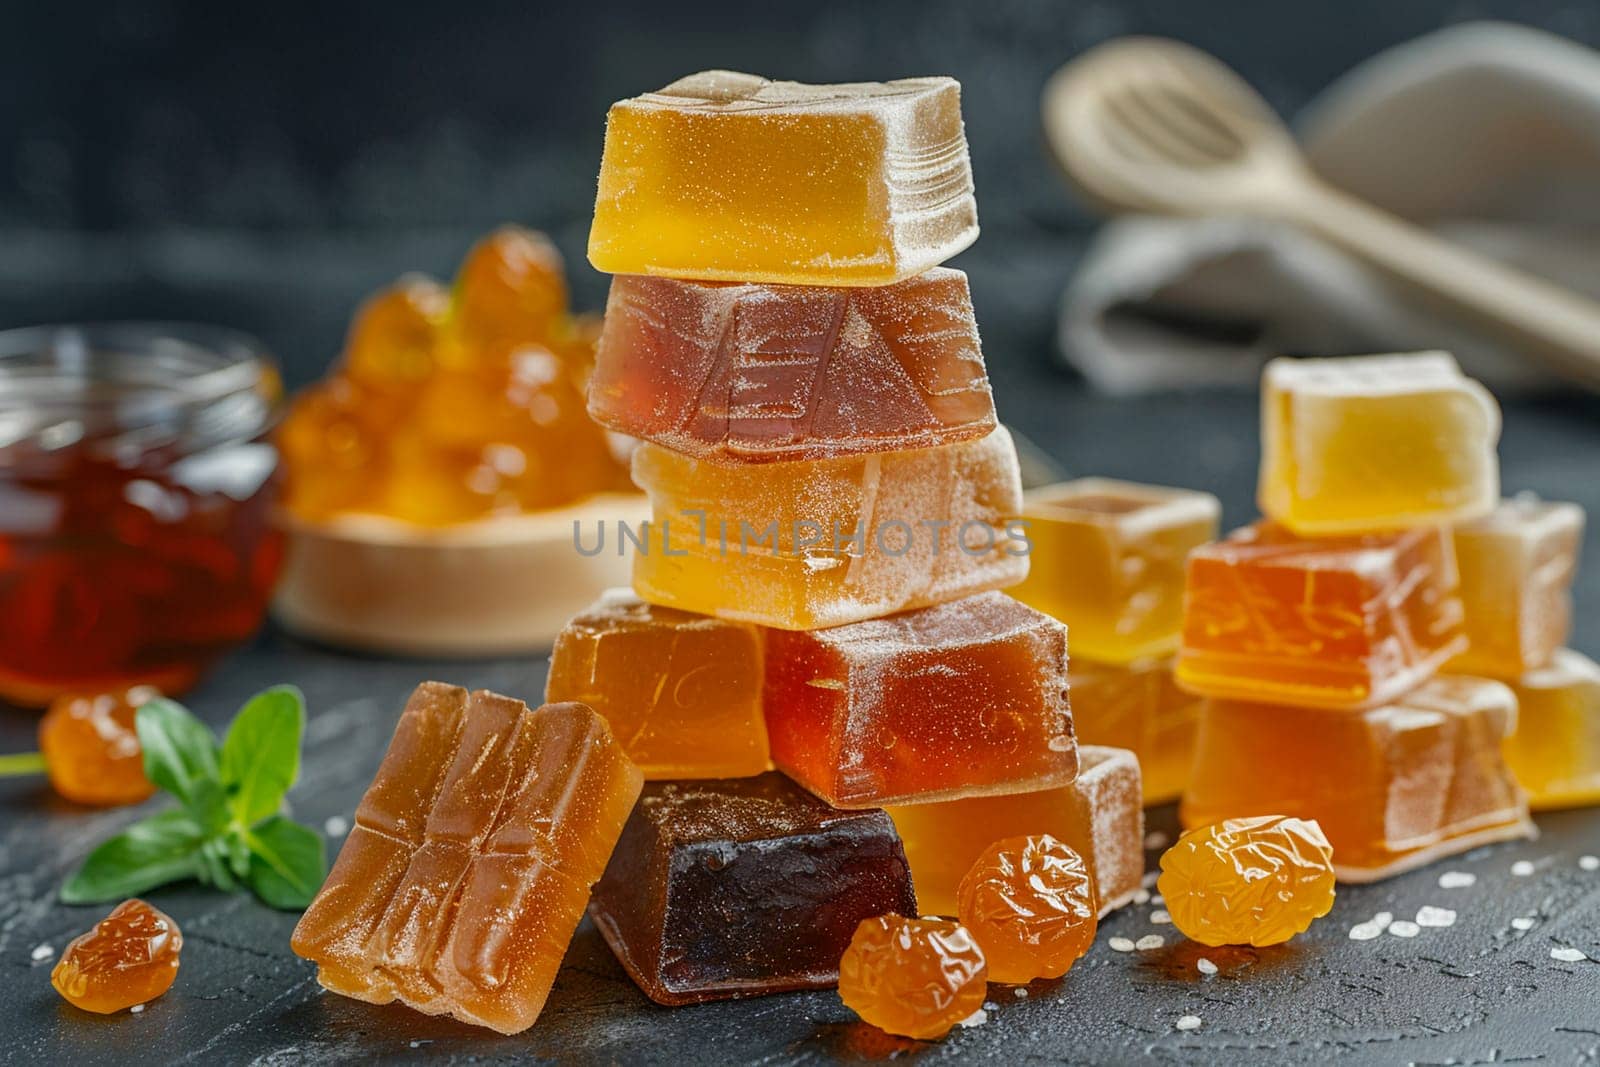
x: 962, y: 699
x: 1517, y: 564
x: 771, y: 372
x: 1138, y: 707
x: 682, y: 692
x: 1342, y: 622
x: 472, y: 856
x: 1393, y: 787
x: 1099, y: 815
x: 832, y: 541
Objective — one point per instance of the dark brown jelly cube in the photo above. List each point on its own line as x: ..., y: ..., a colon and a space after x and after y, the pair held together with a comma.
x: 739, y: 887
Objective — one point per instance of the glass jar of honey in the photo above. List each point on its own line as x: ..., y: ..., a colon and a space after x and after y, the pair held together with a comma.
x: 137, y: 481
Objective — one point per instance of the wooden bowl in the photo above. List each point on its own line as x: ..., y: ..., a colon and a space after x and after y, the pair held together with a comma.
x: 491, y: 587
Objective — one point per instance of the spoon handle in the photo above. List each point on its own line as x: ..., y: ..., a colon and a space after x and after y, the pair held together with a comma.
x: 1555, y: 326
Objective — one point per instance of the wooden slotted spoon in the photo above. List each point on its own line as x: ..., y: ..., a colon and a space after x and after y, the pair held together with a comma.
x: 1151, y: 125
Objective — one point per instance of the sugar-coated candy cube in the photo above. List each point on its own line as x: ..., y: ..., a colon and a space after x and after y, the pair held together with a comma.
x: 827, y: 542
x: 1099, y: 815
x: 1376, y: 443
x: 1139, y: 707
x: 960, y: 699
x: 682, y: 692
x: 1347, y: 622
x: 754, y: 373
x: 1517, y: 565
x: 1555, y: 749
x: 1107, y: 559
x: 737, y: 888
x: 472, y: 856
x: 727, y: 176
x: 1393, y: 787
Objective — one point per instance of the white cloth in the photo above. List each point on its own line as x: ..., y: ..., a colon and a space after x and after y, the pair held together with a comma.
x: 1488, y: 133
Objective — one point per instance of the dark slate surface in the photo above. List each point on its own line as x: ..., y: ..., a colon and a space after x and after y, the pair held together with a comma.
x: 1477, y: 992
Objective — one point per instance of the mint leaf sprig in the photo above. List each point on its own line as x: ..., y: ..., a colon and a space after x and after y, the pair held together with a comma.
x: 228, y: 829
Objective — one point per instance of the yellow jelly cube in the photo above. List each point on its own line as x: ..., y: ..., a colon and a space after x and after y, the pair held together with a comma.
x: 1100, y: 816
x: 1516, y: 567
x: 1139, y: 707
x: 726, y: 176
x: 798, y: 546
x: 1376, y: 443
x: 1555, y: 751
x: 1107, y: 559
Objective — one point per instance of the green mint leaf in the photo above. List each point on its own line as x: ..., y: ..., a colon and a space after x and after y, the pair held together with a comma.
x: 214, y: 867
x: 287, y: 863
x: 180, y: 751
x: 163, y: 848
x: 261, y: 754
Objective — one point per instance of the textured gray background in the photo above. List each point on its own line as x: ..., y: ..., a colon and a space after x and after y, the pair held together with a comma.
x: 266, y: 167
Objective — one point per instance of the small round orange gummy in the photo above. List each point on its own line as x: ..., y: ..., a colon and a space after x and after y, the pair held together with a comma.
x: 912, y: 977
x: 1255, y: 881
x: 129, y: 958
x: 1030, y: 902
x: 394, y: 336
x: 91, y: 749
x: 512, y: 288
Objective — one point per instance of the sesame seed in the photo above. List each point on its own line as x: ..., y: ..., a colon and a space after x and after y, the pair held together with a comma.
x: 1383, y: 918
x: 1205, y: 966
x: 1141, y: 896
x: 43, y: 952
x: 1189, y: 1022
x: 1404, y: 929
x: 977, y: 1018
x: 1120, y: 944
x: 136, y: 1009
x: 1428, y: 915
x: 1567, y: 955
x: 1020, y: 993
x: 1149, y: 941
x: 1522, y: 868
x: 1365, y: 931
x: 1522, y: 922
x: 1589, y: 863
x: 1160, y: 918
x: 1456, y: 879
x: 336, y: 826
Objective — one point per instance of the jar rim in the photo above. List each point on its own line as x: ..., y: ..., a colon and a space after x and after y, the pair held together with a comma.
x: 169, y: 380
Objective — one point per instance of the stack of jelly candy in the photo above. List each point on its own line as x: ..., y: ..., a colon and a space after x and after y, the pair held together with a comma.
x: 1108, y: 560
x: 819, y: 588
x: 455, y: 405
x: 1319, y: 634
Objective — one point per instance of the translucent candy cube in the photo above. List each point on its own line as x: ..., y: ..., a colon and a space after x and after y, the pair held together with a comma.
x: 1108, y: 560
x: 682, y: 692
x: 1100, y: 815
x: 1376, y: 443
x: 1342, y: 622
x: 471, y: 859
x: 1139, y: 707
x: 726, y: 176
x: 960, y: 699
x: 1393, y: 787
x: 827, y: 542
x: 738, y: 888
x: 1555, y: 750
x: 1517, y: 565
x: 754, y: 373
